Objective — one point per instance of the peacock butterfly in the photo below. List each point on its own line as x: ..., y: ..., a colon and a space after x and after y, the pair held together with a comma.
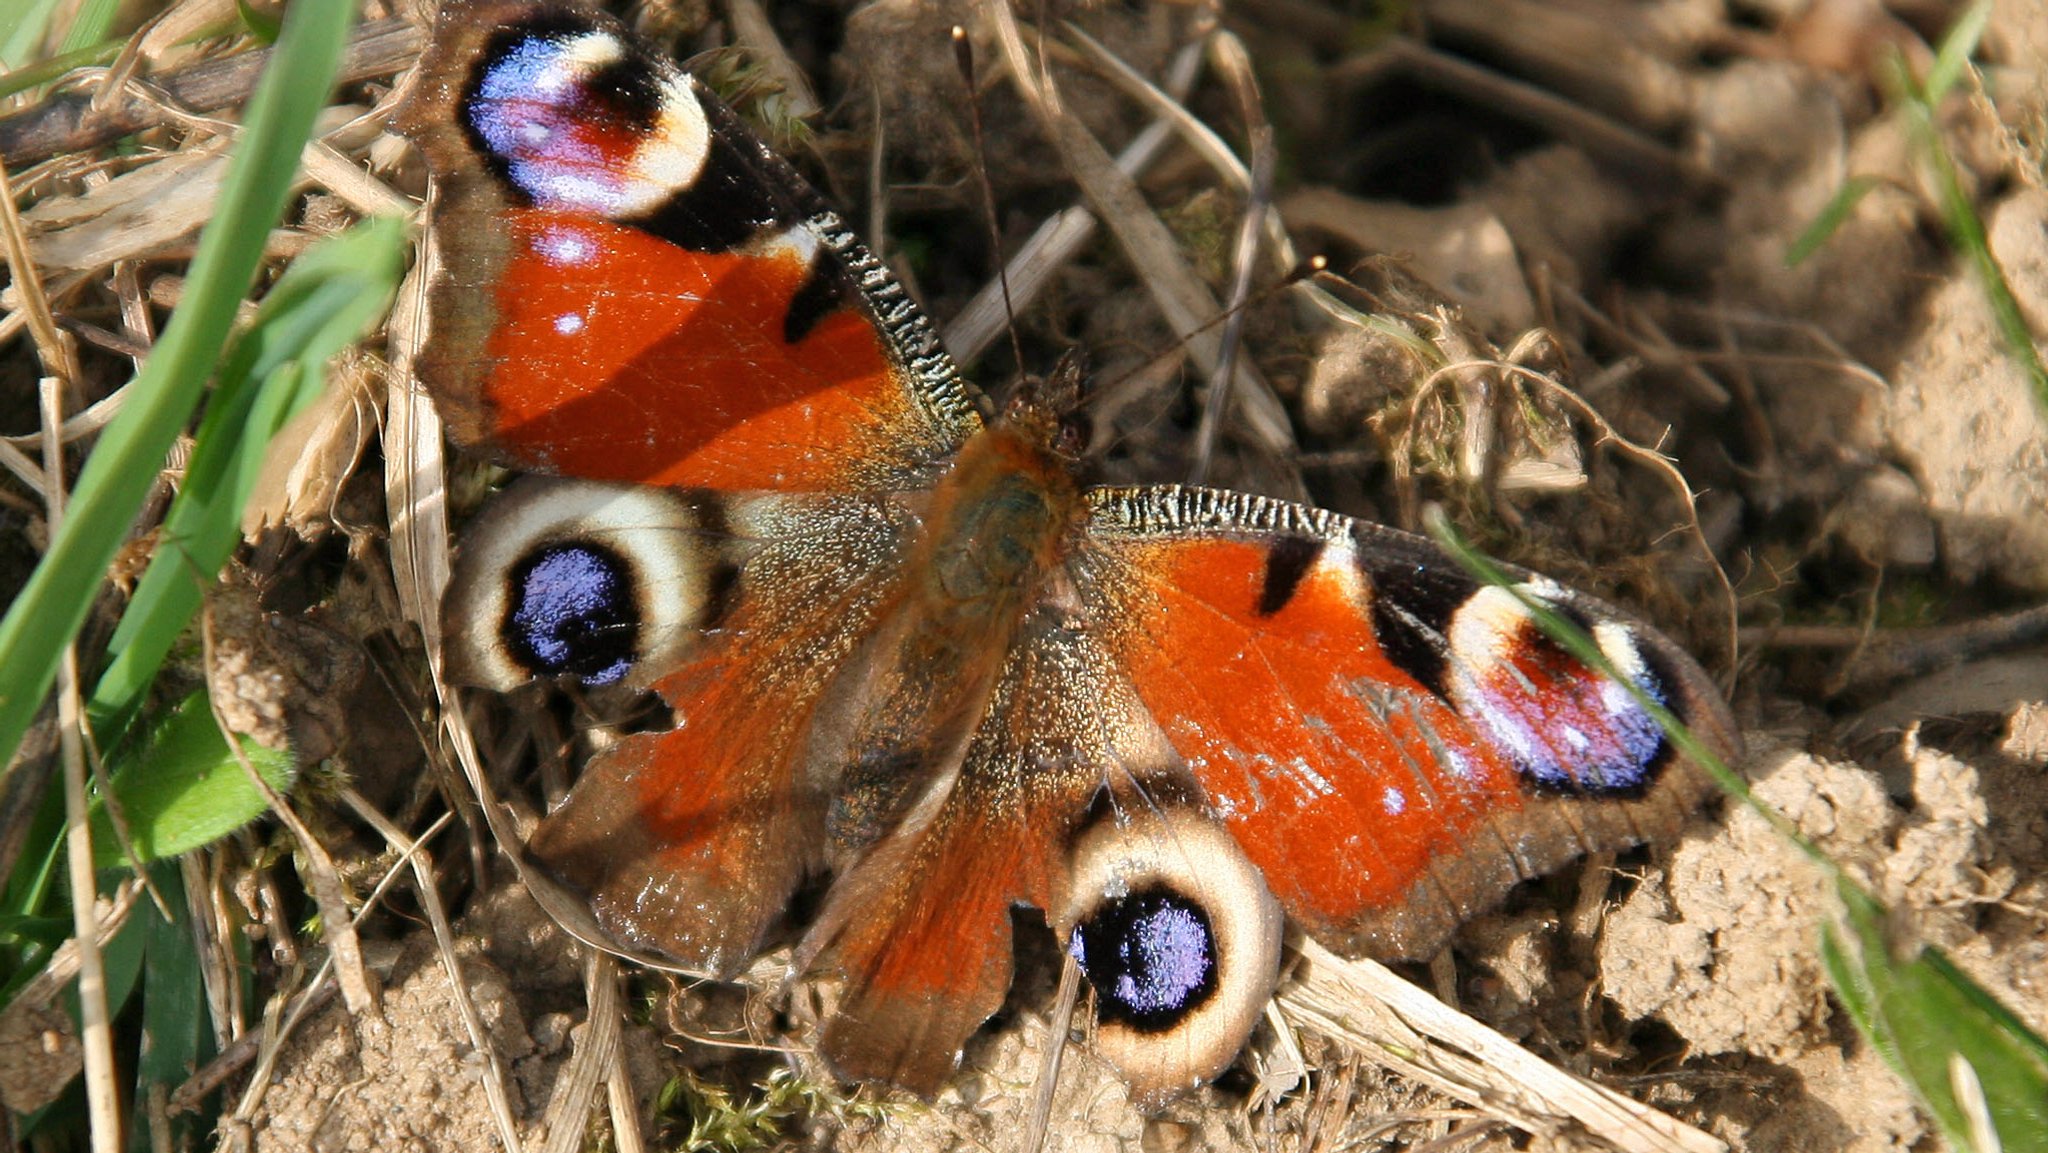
x: 909, y: 650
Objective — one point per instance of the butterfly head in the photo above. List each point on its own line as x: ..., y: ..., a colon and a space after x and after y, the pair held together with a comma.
x: 1047, y: 410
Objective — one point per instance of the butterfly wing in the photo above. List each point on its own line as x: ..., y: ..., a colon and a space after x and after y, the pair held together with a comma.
x: 688, y: 843
x: 1065, y: 798
x: 1393, y: 744
x: 640, y: 298
x: 637, y: 289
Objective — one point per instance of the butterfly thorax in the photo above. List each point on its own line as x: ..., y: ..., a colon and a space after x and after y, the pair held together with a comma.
x: 999, y: 521
x: 993, y: 536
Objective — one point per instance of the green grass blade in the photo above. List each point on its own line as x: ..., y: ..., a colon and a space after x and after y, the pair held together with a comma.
x: 1922, y: 1014
x: 323, y: 303
x: 23, y: 24
x: 45, y: 71
x: 176, y: 1038
x: 93, y: 24
x: 54, y: 602
x: 1830, y: 219
x: 1958, y: 44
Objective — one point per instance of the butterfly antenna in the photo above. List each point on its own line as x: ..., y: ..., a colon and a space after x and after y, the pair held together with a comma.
x: 1249, y: 237
x: 963, y: 58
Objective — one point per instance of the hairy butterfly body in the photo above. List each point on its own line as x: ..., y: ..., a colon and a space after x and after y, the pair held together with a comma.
x: 909, y: 650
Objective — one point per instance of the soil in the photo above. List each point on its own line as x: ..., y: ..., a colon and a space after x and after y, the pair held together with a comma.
x: 1871, y: 473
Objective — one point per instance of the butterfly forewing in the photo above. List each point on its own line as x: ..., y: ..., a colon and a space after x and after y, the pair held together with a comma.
x: 636, y: 289
x: 1392, y: 744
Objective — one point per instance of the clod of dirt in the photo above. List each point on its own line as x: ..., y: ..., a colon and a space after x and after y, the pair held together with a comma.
x: 1723, y: 947
x: 39, y: 1055
x: 281, y: 680
x: 1961, y: 415
x: 413, y: 1082
x: 1739, y: 909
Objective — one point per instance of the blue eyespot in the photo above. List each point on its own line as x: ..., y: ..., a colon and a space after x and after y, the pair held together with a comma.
x: 1151, y: 957
x: 573, y: 613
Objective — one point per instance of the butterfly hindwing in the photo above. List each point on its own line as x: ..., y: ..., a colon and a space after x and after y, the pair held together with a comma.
x: 636, y: 289
x: 1392, y: 743
x: 1065, y: 798
x: 688, y: 843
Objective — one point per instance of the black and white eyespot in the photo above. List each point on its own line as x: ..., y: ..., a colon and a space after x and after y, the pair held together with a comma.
x: 1565, y: 727
x: 1180, y: 939
x: 569, y: 578
x: 578, y: 118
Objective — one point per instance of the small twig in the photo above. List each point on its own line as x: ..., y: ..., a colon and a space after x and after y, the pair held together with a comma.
x: 568, y: 1111
x: 1887, y: 655
x: 1059, y: 238
x: 444, y: 938
x: 1216, y: 403
x: 1057, y: 1027
x: 1181, y: 298
x: 1398, y: 1025
x: 102, y: 1097
x: 67, y: 123
x: 59, y: 357
x: 1605, y: 140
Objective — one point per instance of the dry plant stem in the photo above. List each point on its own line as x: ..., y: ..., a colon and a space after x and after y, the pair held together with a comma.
x: 58, y: 357
x: 415, y: 471
x: 1232, y: 63
x: 1179, y: 294
x: 444, y: 939
x: 753, y: 31
x: 625, y: 1112
x: 1606, y: 141
x: 102, y: 1096
x: 878, y: 188
x: 1883, y: 656
x: 65, y: 960
x: 246, y: 1048
x: 1057, y: 1027
x: 67, y: 124
x: 1216, y: 401
x: 567, y: 1119
x: 24, y: 469
x: 1395, y: 1023
x: 1058, y: 239
x: 136, y: 323
x: 280, y: 1020
x: 337, y: 923
x: 1279, y: 1077
x: 1749, y: 406
x: 328, y: 168
x: 1592, y: 53
x: 214, y: 947
x: 1652, y: 350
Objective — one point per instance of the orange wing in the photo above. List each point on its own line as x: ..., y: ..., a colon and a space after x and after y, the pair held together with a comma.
x: 1064, y: 798
x: 687, y: 844
x: 1391, y: 743
x: 636, y: 289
